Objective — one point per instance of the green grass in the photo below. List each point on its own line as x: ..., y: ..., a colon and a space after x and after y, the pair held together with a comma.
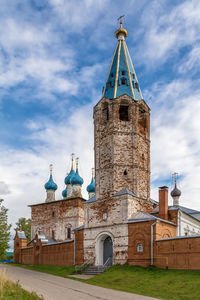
x: 13, y: 291
x: 54, y: 270
x: 154, y: 282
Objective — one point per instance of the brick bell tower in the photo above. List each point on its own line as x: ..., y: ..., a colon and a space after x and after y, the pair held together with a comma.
x: 122, y: 130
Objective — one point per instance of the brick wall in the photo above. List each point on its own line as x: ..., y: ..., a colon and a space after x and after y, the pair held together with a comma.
x: 140, y: 233
x: 178, y: 253
x: 27, y: 256
x: 59, y: 254
x: 57, y: 216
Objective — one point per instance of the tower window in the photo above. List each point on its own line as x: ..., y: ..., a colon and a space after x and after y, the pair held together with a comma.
x: 53, y: 235
x: 123, y: 113
x: 125, y: 172
x: 109, y: 84
x: 133, y: 75
x: 123, y: 81
x: 111, y: 75
x: 106, y: 112
x: 53, y: 214
x: 136, y: 86
x: 69, y: 233
x: 142, y: 120
x: 123, y: 72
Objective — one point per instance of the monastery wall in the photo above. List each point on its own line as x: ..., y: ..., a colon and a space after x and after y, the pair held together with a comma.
x: 59, y: 254
x: 140, y: 234
x: 27, y: 256
x: 178, y: 253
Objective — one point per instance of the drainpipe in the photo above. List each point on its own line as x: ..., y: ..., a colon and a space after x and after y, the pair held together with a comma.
x: 152, y: 241
x: 179, y: 222
x: 74, y: 248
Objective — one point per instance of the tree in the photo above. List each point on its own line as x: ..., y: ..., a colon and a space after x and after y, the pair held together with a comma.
x: 4, y: 230
x: 25, y: 225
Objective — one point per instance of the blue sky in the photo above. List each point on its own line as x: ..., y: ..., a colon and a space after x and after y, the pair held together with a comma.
x: 54, y: 59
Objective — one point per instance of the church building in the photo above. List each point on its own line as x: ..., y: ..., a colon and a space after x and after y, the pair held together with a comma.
x: 119, y: 223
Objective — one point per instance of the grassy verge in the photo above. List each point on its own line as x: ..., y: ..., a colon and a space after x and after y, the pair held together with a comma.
x: 154, y: 282
x: 10, y: 290
x: 54, y: 270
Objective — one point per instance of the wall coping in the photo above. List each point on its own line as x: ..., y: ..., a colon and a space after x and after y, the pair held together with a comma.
x: 56, y: 201
x: 179, y: 238
x: 58, y: 243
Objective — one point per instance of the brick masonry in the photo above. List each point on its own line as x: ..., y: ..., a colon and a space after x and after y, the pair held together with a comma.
x: 60, y: 254
x: 122, y: 148
x: 57, y: 216
x: 140, y: 233
x: 178, y: 253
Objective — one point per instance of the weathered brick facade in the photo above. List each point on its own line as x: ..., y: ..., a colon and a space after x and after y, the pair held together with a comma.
x: 122, y: 147
x: 56, y: 217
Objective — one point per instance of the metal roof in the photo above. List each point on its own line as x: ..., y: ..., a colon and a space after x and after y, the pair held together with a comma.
x: 144, y: 217
x: 125, y: 191
x: 192, y: 212
x: 122, y: 78
x: 93, y: 199
x: 21, y: 235
x: 180, y: 237
x: 79, y: 228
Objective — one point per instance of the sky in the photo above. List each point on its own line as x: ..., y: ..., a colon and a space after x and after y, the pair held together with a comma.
x: 54, y: 59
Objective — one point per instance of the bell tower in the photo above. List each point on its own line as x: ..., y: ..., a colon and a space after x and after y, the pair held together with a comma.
x: 122, y: 130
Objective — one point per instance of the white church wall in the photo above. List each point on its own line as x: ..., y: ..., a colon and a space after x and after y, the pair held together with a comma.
x: 188, y: 225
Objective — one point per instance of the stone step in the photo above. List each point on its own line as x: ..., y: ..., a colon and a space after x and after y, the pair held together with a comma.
x: 95, y: 270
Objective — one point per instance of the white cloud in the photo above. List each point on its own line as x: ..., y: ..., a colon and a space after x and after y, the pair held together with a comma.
x: 165, y: 32
x: 175, y: 143
x: 4, y: 189
x: 26, y: 171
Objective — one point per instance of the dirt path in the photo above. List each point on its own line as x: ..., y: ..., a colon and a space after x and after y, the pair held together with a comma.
x: 57, y: 288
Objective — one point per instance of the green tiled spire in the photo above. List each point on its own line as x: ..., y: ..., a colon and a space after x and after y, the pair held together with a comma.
x: 121, y: 77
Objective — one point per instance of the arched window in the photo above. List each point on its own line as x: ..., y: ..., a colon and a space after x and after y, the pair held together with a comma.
x: 139, y: 248
x: 69, y: 232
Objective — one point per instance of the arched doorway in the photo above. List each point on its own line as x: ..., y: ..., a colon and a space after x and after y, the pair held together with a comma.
x: 104, y: 249
x: 108, y: 251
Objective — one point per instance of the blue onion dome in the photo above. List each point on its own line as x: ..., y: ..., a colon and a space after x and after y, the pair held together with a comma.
x: 76, y: 179
x: 71, y: 173
x: 51, y: 185
x: 64, y: 193
x: 91, y: 186
x: 69, y: 176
